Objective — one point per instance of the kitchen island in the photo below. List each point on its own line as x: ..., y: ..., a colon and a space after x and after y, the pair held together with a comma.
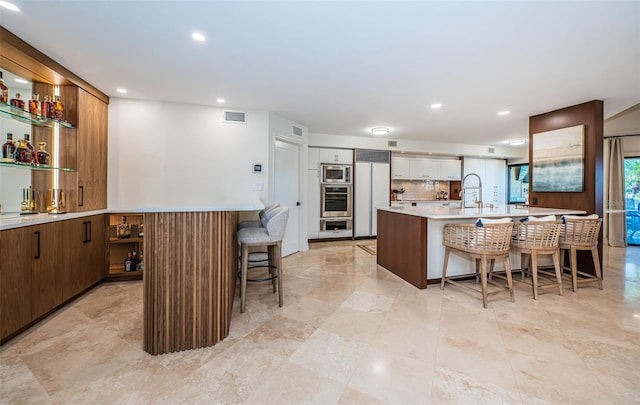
x: 191, y: 264
x: 410, y: 238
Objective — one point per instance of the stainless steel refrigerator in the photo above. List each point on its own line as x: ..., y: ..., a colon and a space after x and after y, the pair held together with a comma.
x: 372, y: 179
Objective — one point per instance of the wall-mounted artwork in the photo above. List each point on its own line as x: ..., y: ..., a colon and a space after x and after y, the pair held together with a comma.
x: 558, y: 160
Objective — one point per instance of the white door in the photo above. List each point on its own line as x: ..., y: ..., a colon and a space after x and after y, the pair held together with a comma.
x: 287, y: 191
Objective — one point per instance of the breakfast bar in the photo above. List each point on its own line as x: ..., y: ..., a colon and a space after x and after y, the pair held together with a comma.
x: 410, y: 238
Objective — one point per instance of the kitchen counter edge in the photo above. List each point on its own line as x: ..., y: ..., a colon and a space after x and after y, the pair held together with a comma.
x: 39, y: 219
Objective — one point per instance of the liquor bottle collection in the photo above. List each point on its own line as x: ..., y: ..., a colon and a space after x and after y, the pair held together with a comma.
x: 23, y: 152
x: 51, y: 107
x: 132, y: 262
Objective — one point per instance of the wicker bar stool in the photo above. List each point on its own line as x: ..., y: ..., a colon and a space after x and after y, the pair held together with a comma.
x: 581, y: 234
x: 532, y: 239
x: 480, y: 243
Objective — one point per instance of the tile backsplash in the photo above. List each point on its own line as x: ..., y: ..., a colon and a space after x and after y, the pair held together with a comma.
x: 419, y: 189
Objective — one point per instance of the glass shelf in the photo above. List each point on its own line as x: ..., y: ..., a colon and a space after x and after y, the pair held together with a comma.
x: 36, y: 167
x: 28, y: 118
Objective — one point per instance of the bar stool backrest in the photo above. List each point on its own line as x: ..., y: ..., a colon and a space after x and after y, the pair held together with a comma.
x: 537, y: 234
x: 491, y: 238
x: 581, y: 231
x: 277, y: 224
x: 267, y: 209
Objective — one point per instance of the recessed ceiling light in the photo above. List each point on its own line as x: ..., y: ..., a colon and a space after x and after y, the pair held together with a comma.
x: 380, y: 130
x: 9, y: 6
x: 221, y: 100
x: 121, y: 90
x: 436, y: 105
x: 19, y: 80
x: 505, y: 112
x: 198, y: 36
x: 516, y: 142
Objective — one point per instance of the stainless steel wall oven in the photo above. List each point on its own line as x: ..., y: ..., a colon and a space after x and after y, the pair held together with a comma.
x: 335, y: 200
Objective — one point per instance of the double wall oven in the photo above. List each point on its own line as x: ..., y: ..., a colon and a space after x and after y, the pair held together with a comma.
x: 336, y: 201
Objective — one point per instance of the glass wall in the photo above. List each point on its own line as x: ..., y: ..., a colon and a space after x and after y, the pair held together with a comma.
x: 632, y: 198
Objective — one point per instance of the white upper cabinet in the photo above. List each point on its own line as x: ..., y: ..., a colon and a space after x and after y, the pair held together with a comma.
x: 425, y: 169
x: 400, y: 168
x: 313, y: 158
x: 337, y: 156
x: 450, y: 169
x: 492, y: 172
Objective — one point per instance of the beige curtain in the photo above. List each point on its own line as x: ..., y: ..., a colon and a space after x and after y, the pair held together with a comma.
x: 617, y: 229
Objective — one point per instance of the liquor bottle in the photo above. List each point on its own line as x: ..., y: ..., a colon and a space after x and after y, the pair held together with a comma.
x: 127, y: 262
x: 17, y: 102
x: 4, y: 91
x: 134, y: 261
x: 24, y: 151
x: 58, y: 108
x: 42, y: 156
x: 123, y: 230
x: 34, y: 106
x: 9, y: 149
x: 48, y: 108
x: 31, y: 155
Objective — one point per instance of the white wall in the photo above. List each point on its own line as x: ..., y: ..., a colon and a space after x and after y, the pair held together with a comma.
x: 631, y: 145
x: 438, y: 148
x: 184, y: 156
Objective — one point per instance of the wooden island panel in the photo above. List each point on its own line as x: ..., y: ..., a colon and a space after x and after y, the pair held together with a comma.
x: 191, y: 262
x: 402, y: 246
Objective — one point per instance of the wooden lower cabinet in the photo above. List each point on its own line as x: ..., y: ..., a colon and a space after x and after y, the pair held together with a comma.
x: 83, y: 265
x: 16, y: 256
x: 43, y: 266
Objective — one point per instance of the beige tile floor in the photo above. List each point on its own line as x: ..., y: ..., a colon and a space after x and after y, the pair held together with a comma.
x: 350, y: 332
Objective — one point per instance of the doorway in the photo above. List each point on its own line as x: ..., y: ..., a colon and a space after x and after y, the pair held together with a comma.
x: 632, y: 198
x: 287, y: 191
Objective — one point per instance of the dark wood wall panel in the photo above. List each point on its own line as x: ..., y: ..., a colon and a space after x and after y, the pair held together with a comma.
x: 591, y: 115
x: 189, y: 279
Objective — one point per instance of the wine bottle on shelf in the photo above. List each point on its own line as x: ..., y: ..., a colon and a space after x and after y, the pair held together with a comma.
x: 134, y: 261
x: 4, y: 91
x: 58, y: 108
x: 34, y: 106
x: 17, y: 102
x: 9, y: 149
x: 128, y: 262
x: 42, y: 156
x: 123, y: 230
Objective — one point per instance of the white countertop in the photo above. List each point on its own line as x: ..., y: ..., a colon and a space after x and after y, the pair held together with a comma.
x: 10, y: 221
x: 435, y: 212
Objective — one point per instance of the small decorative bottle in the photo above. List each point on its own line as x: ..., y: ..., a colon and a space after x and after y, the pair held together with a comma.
x: 123, y: 230
x: 9, y: 149
x: 59, y: 108
x: 17, y: 102
x: 128, y: 262
x: 34, y: 106
x: 4, y: 91
x: 42, y: 156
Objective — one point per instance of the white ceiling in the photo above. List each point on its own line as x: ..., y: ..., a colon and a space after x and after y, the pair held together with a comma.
x: 342, y: 67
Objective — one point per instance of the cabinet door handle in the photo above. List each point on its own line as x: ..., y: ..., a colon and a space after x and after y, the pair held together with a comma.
x: 89, y: 237
x: 37, y: 256
x: 81, y: 199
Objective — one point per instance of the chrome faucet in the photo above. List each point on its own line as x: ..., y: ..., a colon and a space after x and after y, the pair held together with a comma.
x: 479, y: 188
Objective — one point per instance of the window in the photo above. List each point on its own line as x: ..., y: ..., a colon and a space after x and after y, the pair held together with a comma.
x: 632, y: 198
x: 518, y: 184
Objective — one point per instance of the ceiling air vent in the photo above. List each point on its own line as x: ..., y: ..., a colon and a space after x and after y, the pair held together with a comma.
x: 297, y: 131
x: 392, y: 143
x: 235, y: 116
x: 491, y: 150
